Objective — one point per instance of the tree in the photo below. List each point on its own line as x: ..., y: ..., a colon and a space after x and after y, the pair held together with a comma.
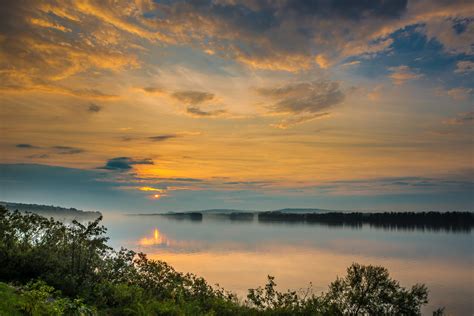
x: 369, y: 290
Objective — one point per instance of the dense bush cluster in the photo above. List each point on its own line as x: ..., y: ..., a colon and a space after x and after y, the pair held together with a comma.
x: 67, y: 269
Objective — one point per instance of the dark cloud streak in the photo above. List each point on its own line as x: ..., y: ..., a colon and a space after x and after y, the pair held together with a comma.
x: 192, y: 97
x: 160, y: 138
x: 67, y: 150
x: 125, y: 163
x: 197, y: 111
x: 94, y: 108
x: 26, y: 146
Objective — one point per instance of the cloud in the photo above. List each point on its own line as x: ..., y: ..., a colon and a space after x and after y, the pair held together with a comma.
x: 67, y: 150
x: 49, y: 41
x: 304, y: 97
x: 156, y: 138
x: 94, y: 108
x: 455, y: 33
x: 160, y: 138
x: 459, y: 93
x: 322, y: 61
x: 298, y: 35
x: 193, y: 101
x: 90, y: 93
x: 26, y: 146
x: 154, y: 90
x: 461, y: 119
x: 298, y: 119
x: 117, y: 16
x: 281, y: 35
x: 38, y: 156
x: 49, y: 87
x: 46, y: 42
x: 125, y: 163
x: 45, y: 23
x: 192, y: 97
x: 402, y: 74
x: 198, y: 112
x: 352, y: 63
x: 304, y: 101
x: 60, y: 150
x: 464, y: 67
x: 354, y: 10
x: 400, y: 185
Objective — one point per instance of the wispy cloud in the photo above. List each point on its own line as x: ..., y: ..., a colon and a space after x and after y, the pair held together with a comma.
x: 59, y: 150
x: 67, y: 150
x: 154, y: 138
x: 461, y: 119
x: 304, y: 101
x: 309, y: 97
x: 38, y: 156
x: 298, y: 119
x: 459, y: 93
x: 402, y: 74
x: 351, y: 63
x: 464, y: 67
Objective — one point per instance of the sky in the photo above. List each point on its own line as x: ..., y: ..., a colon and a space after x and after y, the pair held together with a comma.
x: 152, y: 106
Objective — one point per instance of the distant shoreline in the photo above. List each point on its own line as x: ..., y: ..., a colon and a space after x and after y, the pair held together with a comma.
x: 56, y: 212
x: 436, y: 221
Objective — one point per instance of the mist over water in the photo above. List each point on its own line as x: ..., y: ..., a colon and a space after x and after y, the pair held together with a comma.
x: 239, y: 254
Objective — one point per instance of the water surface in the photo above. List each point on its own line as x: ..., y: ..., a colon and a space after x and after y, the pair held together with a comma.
x: 238, y: 255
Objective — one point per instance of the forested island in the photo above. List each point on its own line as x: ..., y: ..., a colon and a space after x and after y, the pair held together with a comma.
x: 51, y: 268
x: 446, y: 221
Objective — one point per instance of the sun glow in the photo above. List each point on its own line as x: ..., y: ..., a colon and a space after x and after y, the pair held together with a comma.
x: 155, y: 196
x: 147, y: 189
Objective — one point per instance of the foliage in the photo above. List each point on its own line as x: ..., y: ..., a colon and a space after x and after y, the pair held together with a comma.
x: 68, y: 269
x: 369, y: 290
x: 38, y: 298
x: 9, y: 300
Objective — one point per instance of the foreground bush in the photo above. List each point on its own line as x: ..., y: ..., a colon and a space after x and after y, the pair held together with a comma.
x: 61, y: 269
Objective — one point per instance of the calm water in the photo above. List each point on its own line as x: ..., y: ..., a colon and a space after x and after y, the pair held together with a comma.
x: 238, y: 255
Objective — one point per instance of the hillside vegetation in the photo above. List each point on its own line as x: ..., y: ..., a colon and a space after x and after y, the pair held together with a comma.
x: 57, y: 212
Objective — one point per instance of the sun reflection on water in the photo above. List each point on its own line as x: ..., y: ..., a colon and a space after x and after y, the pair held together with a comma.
x: 158, y: 239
